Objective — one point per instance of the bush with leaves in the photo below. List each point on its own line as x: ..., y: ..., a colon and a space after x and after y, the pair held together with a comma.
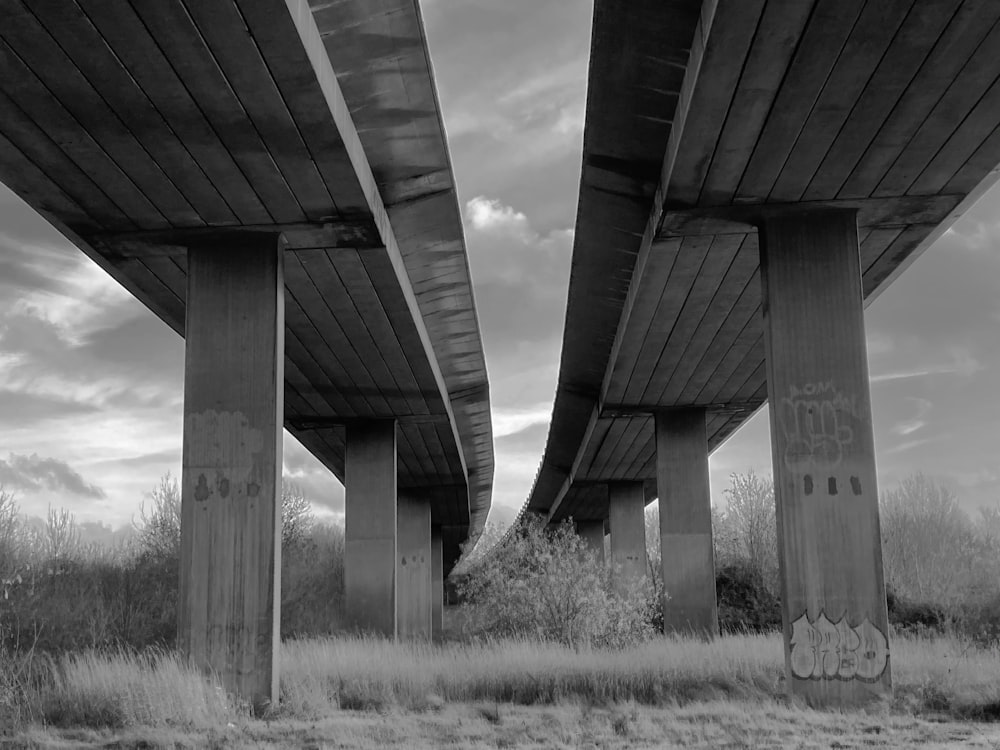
x: 746, y: 603
x: 548, y: 584
x: 312, y: 582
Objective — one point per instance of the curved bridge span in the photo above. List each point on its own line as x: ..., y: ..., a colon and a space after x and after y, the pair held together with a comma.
x: 754, y: 172
x: 272, y: 179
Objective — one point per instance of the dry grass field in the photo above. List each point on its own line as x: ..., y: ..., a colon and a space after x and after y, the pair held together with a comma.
x: 368, y: 694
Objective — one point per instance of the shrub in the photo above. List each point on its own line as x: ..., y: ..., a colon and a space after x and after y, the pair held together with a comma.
x: 548, y: 584
x: 312, y: 582
x: 746, y: 603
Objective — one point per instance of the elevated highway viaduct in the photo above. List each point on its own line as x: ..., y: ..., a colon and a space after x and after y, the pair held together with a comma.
x: 271, y: 178
x: 754, y: 172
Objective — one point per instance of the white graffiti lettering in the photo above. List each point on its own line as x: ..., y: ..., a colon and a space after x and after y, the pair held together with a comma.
x: 816, y: 422
x: 824, y: 650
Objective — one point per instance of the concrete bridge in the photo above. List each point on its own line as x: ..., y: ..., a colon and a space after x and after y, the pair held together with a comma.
x: 272, y: 180
x: 753, y: 173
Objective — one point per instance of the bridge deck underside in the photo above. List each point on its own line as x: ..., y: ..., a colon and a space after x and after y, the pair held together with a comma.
x: 127, y: 125
x: 381, y: 57
x: 889, y: 106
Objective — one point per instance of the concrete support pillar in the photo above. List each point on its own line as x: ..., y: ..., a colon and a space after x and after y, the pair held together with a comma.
x: 370, y: 527
x: 686, y: 552
x: 592, y: 533
x: 833, y: 594
x: 627, y: 504
x: 437, y: 582
x: 413, y: 571
x: 230, y: 558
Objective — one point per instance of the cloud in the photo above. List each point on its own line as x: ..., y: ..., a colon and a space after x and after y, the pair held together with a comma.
x: 962, y: 363
x: 318, y: 484
x: 22, y: 409
x: 33, y: 473
x: 486, y: 215
x: 975, y: 234
x: 135, y: 362
x: 910, y: 445
x: 513, y: 94
x: 909, y: 426
x: 521, y: 276
x: 508, y: 422
x: 156, y: 459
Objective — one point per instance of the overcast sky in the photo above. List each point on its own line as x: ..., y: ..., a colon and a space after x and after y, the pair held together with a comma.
x: 90, y: 381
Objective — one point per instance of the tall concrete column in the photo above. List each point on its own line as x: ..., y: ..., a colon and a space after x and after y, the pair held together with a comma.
x: 413, y: 570
x: 686, y: 552
x: 437, y: 582
x: 833, y: 594
x: 370, y: 527
x: 230, y: 558
x: 592, y: 533
x: 627, y: 504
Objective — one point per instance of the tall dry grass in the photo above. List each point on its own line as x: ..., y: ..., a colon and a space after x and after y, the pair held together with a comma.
x: 109, y: 689
x: 317, y: 674
x: 940, y: 676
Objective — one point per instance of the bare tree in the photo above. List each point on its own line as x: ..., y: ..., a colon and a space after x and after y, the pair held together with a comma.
x: 9, y: 536
x: 931, y: 550
x: 62, y: 537
x: 653, y: 550
x: 160, y: 526
x: 748, y: 523
x: 296, y: 514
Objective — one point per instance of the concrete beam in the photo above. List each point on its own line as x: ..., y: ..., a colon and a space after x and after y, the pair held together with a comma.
x: 833, y: 594
x: 230, y: 559
x: 370, y: 527
x: 745, y: 218
x: 414, y: 569
x: 686, y: 552
x: 437, y: 582
x: 626, y: 510
x: 592, y: 533
x: 357, y: 233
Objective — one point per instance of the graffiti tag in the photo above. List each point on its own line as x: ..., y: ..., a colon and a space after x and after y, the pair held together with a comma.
x: 824, y: 650
x: 224, y: 447
x: 816, y: 421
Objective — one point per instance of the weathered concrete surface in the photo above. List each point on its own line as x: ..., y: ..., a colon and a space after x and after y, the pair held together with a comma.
x: 833, y: 595
x: 414, y: 569
x: 592, y: 532
x: 437, y: 582
x: 686, y: 552
x: 627, y: 503
x: 370, y: 527
x: 228, y: 606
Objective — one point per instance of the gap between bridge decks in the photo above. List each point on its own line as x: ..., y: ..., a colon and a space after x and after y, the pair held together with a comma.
x: 355, y: 234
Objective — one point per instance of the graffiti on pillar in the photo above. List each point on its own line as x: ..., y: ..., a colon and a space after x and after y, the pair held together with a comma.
x: 817, y: 420
x: 222, y: 447
x: 825, y: 650
x: 818, y: 425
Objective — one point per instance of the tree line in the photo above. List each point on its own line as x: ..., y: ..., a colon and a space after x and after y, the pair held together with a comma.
x: 58, y: 593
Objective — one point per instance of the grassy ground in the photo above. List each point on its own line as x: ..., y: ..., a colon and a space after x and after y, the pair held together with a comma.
x: 700, y: 725
x: 366, y: 693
